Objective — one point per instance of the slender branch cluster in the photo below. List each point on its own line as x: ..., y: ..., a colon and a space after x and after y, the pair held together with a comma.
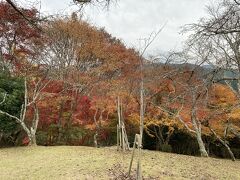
x: 223, y: 19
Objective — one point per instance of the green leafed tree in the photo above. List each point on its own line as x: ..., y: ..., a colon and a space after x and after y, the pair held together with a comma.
x: 11, y: 97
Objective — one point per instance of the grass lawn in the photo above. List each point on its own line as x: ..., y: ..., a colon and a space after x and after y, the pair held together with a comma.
x: 91, y: 163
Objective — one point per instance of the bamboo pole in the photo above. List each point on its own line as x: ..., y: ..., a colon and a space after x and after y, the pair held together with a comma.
x: 134, y: 147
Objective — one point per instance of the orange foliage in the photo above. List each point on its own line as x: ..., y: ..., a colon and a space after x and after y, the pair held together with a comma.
x: 222, y: 95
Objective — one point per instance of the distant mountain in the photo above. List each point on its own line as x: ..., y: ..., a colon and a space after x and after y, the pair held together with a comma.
x: 204, y: 71
x: 207, y: 66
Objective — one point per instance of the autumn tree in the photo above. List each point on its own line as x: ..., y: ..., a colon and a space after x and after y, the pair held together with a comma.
x: 138, y: 141
x: 219, y: 36
x: 222, y: 48
x: 14, y: 6
x: 86, y: 61
x: 21, y: 56
x: 17, y: 35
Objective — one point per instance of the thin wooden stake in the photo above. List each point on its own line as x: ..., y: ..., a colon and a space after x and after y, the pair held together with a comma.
x: 117, y: 137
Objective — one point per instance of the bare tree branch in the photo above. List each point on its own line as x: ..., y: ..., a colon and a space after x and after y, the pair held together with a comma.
x: 4, y: 98
x: 31, y: 22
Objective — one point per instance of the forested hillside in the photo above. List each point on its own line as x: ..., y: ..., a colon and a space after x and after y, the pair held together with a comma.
x: 64, y: 81
x: 74, y: 73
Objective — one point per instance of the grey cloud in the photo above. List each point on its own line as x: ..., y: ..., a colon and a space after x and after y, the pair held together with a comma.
x: 130, y: 20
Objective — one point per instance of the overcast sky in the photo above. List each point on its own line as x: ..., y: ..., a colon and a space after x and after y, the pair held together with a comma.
x: 131, y: 20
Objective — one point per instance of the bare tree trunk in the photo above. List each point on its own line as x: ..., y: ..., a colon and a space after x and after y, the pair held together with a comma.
x: 198, y: 133
x: 234, y: 131
x: 139, y: 169
x: 122, y: 139
x: 139, y: 138
x: 159, y: 140
x: 34, y: 127
x: 224, y: 143
x: 32, y: 139
x: 197, y: 126
x: 60, y: 121
x: 30, y: 131
x: 201, y: 145
x: 96, y: 132
x: 119, y: 122
x: 141, y: 111
x: 118, y: 144
x: 1, y: 136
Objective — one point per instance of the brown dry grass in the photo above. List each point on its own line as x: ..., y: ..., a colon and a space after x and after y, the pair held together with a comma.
x: 90, y: 163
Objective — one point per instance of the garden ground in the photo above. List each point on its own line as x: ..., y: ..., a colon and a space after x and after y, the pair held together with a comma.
x: 106, y: 163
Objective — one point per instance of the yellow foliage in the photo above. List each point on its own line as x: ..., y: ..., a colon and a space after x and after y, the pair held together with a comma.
x: 235, y: 114
x: 134, y: 120
x: 235, y: 117
x: 165, y: 121
x: 222, y: 95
